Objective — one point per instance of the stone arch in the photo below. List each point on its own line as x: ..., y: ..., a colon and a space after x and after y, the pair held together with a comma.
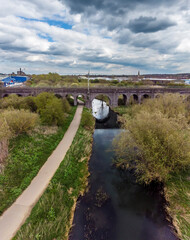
x: 71, y: 99
x: 5, y: 95
x: 58, y: 95
x: 81, y: 99
x: 157, y: 95
x: 104, y: 94
x: 134, y: 98
x: 145, y: 96
x: 122, y: 99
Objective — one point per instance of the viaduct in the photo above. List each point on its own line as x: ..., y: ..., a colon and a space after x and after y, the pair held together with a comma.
x: 113, y: 93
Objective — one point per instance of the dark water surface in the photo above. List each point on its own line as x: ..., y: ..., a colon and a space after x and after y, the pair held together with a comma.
x: 115, y: 207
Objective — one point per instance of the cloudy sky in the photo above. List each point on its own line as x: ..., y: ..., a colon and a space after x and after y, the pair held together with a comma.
x: 106, y: 36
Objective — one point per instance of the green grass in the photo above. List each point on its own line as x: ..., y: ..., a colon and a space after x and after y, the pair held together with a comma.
x: 121, y: 110
x: 52, y: 216
x: 177, y: 192
x: 27, y: 153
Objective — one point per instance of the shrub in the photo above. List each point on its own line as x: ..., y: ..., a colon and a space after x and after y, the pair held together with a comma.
x: 155, y: 146
x: 16, y: 102
x: 42, y: 99
x: 157, y: 139
x: 171, y: 105
x: 29, y: 103
x: 5, y: 134
x: 52, y: 113
x: 87, y: 120
x: 20, y: 121
x: 66, y: 105
x: 12, y: 101
x: 50, y: 109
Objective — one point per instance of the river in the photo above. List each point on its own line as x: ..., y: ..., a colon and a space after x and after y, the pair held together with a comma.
x: 115, y: 207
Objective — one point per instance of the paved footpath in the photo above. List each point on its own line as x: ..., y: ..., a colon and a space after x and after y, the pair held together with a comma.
x: 14, y: 217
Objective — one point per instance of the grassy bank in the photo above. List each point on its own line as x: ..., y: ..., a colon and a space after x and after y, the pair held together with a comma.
x: 27, y: 153
x: 120, y: 110
x: 52, y: 216
x: 177, y: 192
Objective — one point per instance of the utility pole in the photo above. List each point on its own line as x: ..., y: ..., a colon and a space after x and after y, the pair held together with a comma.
x: 88, y: 82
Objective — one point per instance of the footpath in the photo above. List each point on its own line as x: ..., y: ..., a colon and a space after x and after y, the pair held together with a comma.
x: 15, y: 216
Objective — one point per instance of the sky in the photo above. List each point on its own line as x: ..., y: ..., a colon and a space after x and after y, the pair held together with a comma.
x: 103, y: 36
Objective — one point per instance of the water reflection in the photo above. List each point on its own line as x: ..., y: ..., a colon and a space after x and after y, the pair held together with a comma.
x: 115, y: 207
x: 100, y: 110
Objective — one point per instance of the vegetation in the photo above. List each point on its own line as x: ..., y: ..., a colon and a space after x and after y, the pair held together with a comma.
x: 156, y: 145
x: 177, y: 192
x: 20, y: 121
x: 30, y: 142
x: 51, y: 109
x: 87, y: 120
x: 104, y: 98
x: 52, y: 216
x: 27, y: 153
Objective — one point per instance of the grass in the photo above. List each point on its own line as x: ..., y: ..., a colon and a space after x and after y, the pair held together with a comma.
x: 177, y: 191
x: 52, y: 216
x: 27, y: 153
x: 121, y: 110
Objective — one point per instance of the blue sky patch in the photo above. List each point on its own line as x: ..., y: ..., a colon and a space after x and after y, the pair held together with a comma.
x: 46, y: 36
x: 51, y: 22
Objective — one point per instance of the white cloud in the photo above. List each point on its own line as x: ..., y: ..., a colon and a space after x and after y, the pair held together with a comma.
x: 96, y: 40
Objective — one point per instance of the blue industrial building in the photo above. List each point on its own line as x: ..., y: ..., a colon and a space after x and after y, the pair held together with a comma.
x: 11, y: 80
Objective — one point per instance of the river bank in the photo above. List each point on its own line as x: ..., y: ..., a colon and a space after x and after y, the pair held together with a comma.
x: 175, y: 192
x: 51, y: 218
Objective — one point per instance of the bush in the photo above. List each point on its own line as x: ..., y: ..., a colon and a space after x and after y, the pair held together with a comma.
x: 66, y: 105
x: 20, y: 121
x: 16, y: 102
x: 87, y: 120
x: 52, y: 113
x: 12, y: 101
x: 42, y: 99
x: 50, y: 108
x: 157, y: 141
x: 29, y: 103
x: 5, y: 132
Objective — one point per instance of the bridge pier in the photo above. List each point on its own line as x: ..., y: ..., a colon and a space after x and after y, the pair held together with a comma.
x: 88, y: 103
x: 75, y: 100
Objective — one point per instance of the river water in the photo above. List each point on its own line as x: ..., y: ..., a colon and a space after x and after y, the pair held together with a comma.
x: 115, y: 207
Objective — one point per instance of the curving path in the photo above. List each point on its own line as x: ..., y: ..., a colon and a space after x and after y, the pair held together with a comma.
x: 14, y: 217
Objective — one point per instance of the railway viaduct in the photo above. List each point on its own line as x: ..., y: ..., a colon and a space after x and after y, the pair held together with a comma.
x: 113, y: 93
